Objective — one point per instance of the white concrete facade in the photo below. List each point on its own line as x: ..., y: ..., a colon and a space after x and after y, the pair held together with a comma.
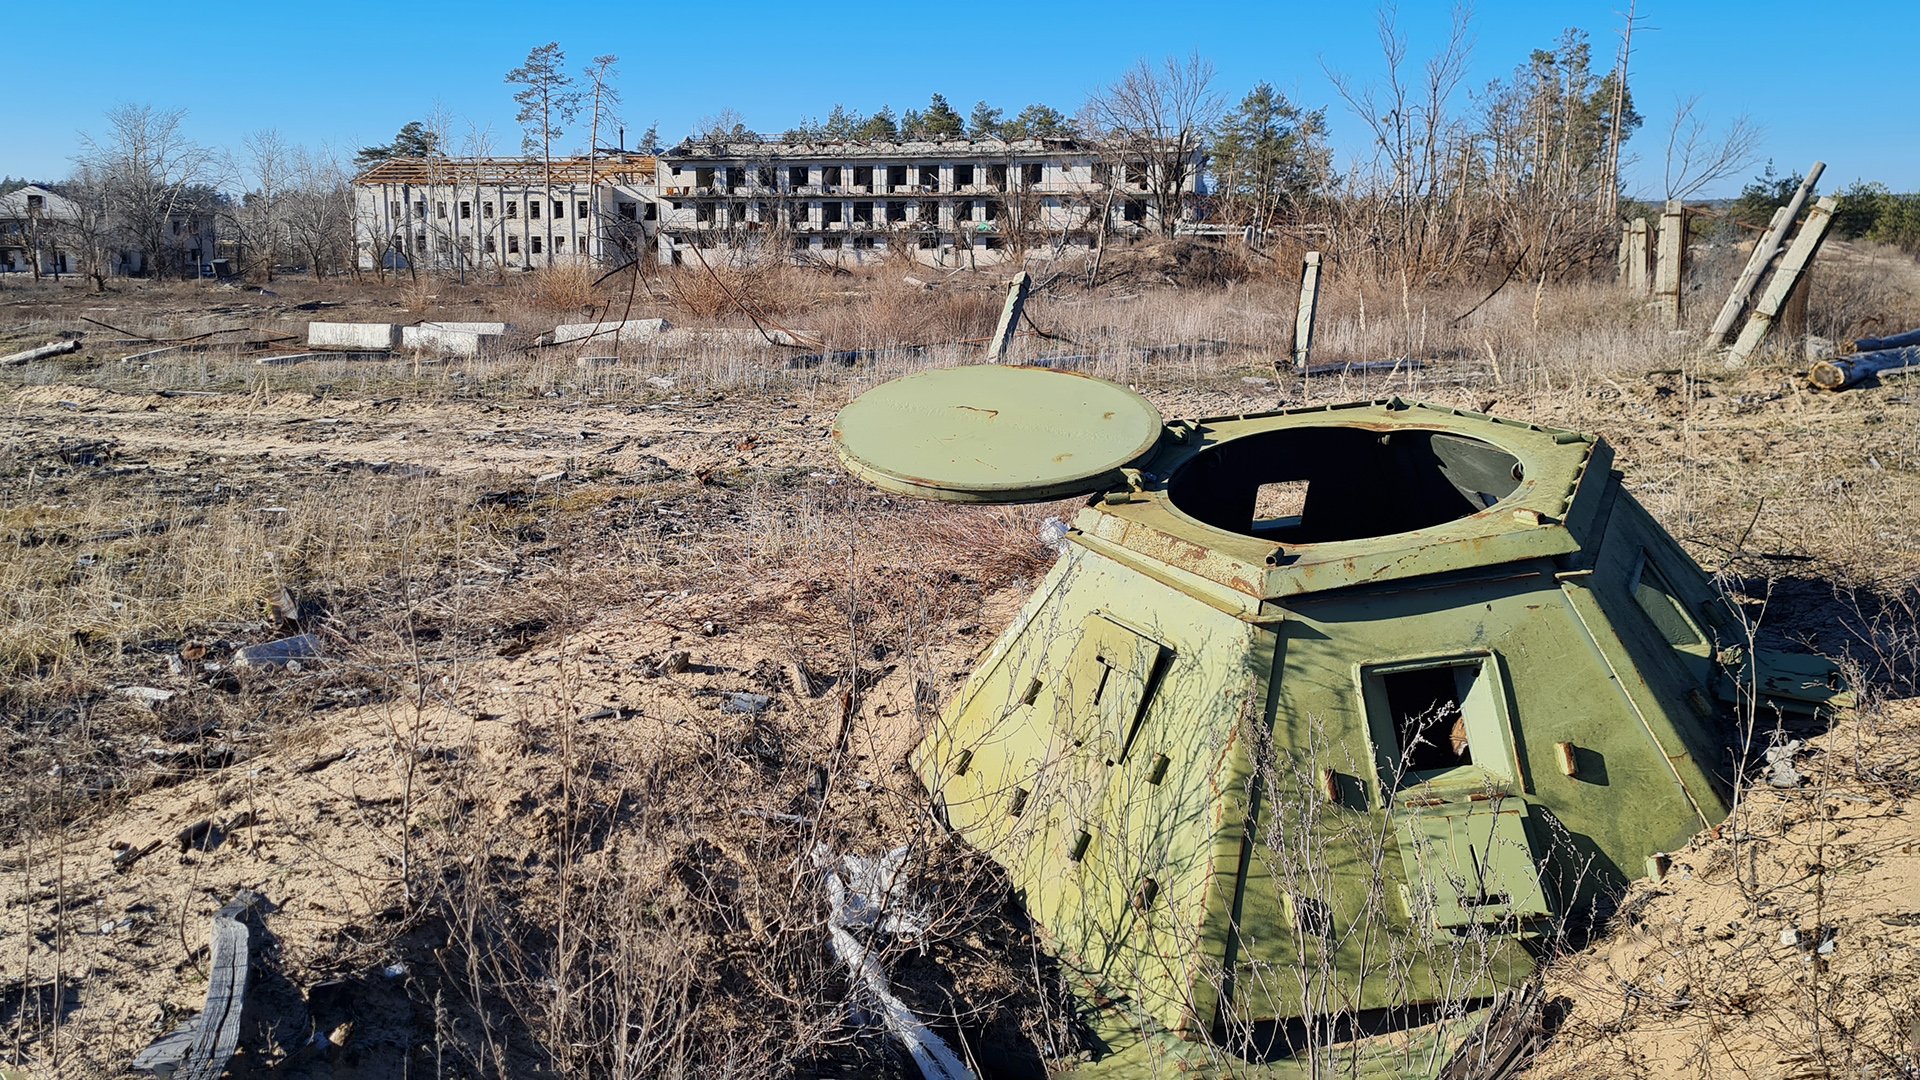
x: 501, y: 213
x: 957, y: 202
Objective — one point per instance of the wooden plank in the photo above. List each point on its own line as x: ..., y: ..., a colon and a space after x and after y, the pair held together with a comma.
x: 1009, y: 316
x: 1309, y: 308
x: 1763, y: 252
x: 1670, y: 265
x: 1806, y: 244
x: 216, y: 1032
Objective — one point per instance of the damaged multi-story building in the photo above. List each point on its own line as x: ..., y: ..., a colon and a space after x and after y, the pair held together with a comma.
x: 44, y: 232
x: 511, y: 213
x: 951, y: 202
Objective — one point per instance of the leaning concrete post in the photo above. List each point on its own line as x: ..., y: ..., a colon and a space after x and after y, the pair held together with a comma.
x: 1671, y: 261
x: 1309, y: 307
x: 1009, y: 316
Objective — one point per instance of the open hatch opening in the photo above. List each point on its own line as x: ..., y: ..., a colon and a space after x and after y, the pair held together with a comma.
x: 1347, y: 483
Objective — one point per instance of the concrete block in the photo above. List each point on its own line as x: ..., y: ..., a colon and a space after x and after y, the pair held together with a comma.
x: 629, y: 332
x: 347, y: 335
x: 456, y: 338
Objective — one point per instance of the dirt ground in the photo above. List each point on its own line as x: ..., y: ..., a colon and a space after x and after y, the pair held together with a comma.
x: 548, y: 591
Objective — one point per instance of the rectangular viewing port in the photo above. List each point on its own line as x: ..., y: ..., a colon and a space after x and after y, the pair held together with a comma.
x: 1439, y: 721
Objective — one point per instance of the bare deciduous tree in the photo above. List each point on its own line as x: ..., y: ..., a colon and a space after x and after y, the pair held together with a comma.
x: 1155, y: 121
x: 1698, y: 156
x: 256, y: 220
x: 154, y: 175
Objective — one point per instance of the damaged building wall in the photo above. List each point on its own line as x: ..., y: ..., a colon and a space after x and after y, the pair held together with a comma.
x: 951, y: 202
x: 502, y: 213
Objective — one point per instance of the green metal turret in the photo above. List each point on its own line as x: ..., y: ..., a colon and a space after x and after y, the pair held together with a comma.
x: 1326, y: 715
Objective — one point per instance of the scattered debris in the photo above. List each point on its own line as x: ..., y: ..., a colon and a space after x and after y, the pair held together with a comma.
x: 744, y: 702
x: 148, y: 696
x: 1780, y: 771
x: 285, y: 652
x: 870, y: 895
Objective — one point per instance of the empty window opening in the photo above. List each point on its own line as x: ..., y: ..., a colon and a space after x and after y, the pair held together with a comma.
x: 652, y: 212
x: 830, y: 175
x: 896, y: 212
x: 559, y: 244
x: 863, y: 243
x: 928, y: 243
x: 580, y: 209
x: 1033, y: 172
x: 1429, y: 724
x: 930, y: 211
x: 963, y: 176
x: 797, y: 175
x: 995, y: 208
x: 513, y: 209
x: 533, y: 244
x: 36, y: 202
x: 627, y: 210
x: 490, y: 246
x: 1136, y: 176
x: 802, y: 243
x: 930, y: 177
x: 764, y: 176
x: 513, y: 245
x: 1358, y: 483
x: 703, y: 213
x: 997, y: 176
x: 486, y: 209
x: 863, y: 213
x: 466, y: 212
x: 863, y: 176
x: 533, y: 208
x: 703, y: 177
x: 559, y: 209
x: 896, y: 177
x: 995, y: 243
x: 420, y: 208
x: 736, y: 176
x: 1135, y: 211
x: 1102, y: 172
x: 830, y: 243
x: 420, y: 242
x: 830, y: 213
x: 393, y: 208
x: 1657, y: 598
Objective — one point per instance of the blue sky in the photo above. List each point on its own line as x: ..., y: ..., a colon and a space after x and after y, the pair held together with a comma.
x: 350, y: 73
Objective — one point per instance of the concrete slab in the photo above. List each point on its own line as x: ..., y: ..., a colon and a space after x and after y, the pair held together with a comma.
x: 628, y: 332
x: 455, y: 338
x: 356, y: 336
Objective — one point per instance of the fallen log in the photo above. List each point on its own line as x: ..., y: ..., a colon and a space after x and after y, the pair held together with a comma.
x: 201, y: 1048
x: 41, y: 353
x: 1896, y: 341
x: 1840, y: 372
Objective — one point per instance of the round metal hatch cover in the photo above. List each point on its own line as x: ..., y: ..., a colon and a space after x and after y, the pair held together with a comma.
x: 995, y: 434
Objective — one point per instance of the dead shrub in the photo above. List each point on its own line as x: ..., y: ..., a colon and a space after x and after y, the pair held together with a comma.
x: 563, y: 287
